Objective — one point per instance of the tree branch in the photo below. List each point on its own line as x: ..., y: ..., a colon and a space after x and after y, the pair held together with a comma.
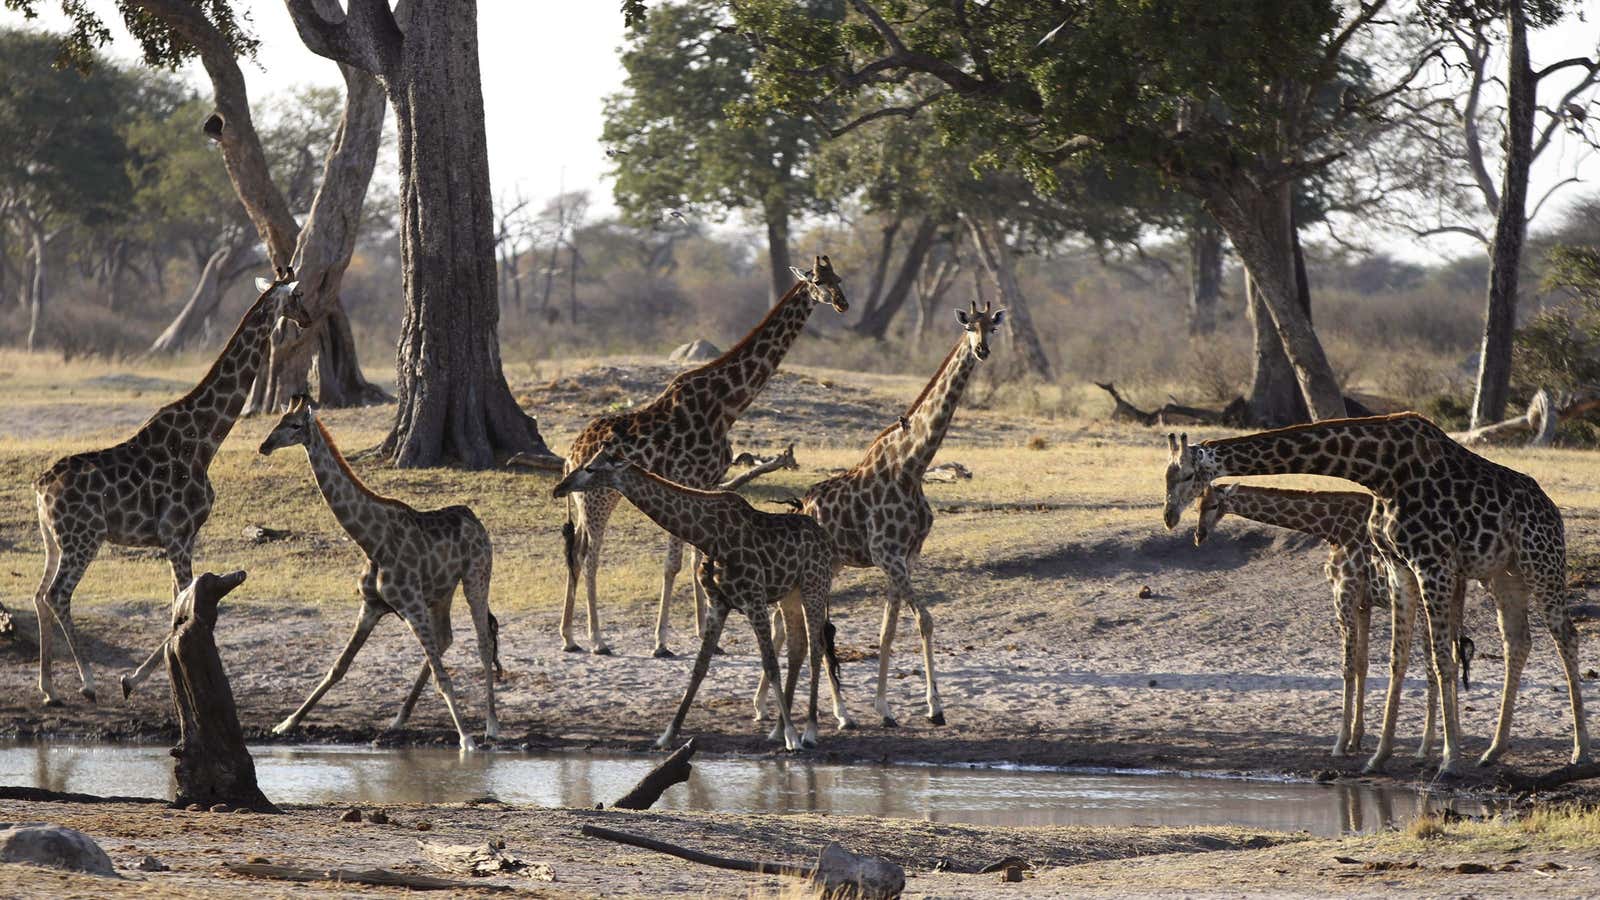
x: 366, y: 37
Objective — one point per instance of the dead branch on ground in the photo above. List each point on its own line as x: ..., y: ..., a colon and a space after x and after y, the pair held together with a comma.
x: 762, y: 464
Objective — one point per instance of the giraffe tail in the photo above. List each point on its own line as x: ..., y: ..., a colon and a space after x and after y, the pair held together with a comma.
x: 830, y: 653
x: 569, y: 540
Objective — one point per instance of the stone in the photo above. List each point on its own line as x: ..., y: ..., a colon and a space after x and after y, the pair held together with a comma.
x: 378, y: 817
x: 151, y: 864
x: 54, y: 847
x: 351, y: 815
x: 694, y: 352
x: 221, y: 807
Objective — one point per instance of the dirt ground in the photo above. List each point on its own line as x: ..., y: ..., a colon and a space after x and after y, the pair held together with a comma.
x: 1046, y: 652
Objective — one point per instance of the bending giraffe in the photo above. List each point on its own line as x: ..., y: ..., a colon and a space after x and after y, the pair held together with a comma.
x: 415, y: 559
x: 751, y: 560
x: 682, y: 435
x: 1442, y: 515
x: 876, y: 513
x: 152, y: 489
x: 1355, y: 570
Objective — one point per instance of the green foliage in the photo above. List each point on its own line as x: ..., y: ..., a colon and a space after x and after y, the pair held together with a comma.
x: 676, y: 143
x: 1560, y: 348
x: 162, y: 48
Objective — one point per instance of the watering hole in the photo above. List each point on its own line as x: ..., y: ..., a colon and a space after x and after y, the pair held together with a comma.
x: 982, y: 796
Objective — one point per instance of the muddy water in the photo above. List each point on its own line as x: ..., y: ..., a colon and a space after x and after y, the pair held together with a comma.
x: 364, y: 775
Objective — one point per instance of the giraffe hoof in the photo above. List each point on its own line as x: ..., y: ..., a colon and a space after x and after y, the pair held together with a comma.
x: 601, y: 650
x: 51, y: 702
x: 127, y: 686
x: 847, y: 725
x: 937, y: 718
x: 664, y: 653
x: 572, y: 648
x: 889, y: 722
x: 88, y: 694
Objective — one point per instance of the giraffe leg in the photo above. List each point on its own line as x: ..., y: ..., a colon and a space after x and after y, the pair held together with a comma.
x: 757, y: 611
x: 575, y: 538
x: 179, y: 556
x: 418, y: 684
x: 1430, y: 723
x: 1345, y: 591
x: 669, y: 577
x: 1363, y: 646
x: 701, y: 601
x: 370, y: 614
x: 816, y: 615
x: 1511, y: 607
x: 1439, y: 582
x: 433, y: 633
x: 715, y: 617
x: 1551, y: 599
x: 780, y: 638
x: 1402, y: 610
x: 891, y: 618
x: 899, y: 572
x: 69, y: 571
x: 476, y: 587
x: 41, y: 608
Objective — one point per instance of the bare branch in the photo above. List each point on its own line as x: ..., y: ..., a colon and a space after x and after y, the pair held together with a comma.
x: 1571, y: 179
x: 885, y: 112
x: 366, y: 37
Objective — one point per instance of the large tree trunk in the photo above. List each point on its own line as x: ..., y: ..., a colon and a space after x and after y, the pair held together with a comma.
x: 777, y: 216
x: 875, y: 321
x: 1510, y: 227
x: 989, y: 238
x: 37, y: 285
x: 1205, y: 275
x: 323, y: 250
x: 224, y: 266
x: 880, y: 266
x: 1274, y: 398
x: 454, y: 405
x: 1261, y: 228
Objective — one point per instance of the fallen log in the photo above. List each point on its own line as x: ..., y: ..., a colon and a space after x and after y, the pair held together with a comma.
x: 762, y: 465
x: 482, y: 860
x: 212, y: 765
x: 1554, y: 778
x: 674, y: 770
x: 1235, y: 415
x: 377, y: 877
x: 41, y: 795
x: 838, y: 873
x: 1542, y: 418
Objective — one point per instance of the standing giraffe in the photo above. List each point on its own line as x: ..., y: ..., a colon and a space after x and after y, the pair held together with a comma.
x: 1355, y: 570
x: 415, y: 559
x: 1443, y: 514
x: 750, y: 560
x: 876, y: 513
x: 151, y: 490
x: 682, y: 435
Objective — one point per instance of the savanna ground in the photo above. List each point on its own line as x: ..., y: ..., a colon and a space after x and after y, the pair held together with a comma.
x: 1046, y: 651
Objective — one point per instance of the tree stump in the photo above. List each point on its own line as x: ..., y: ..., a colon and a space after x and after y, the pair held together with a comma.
x: 213, y: 767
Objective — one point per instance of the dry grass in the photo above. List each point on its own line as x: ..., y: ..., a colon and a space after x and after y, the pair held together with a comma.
x: 1541, y: 829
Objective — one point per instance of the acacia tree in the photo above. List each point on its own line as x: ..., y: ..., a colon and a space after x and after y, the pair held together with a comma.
x: 1216, y: 100
x: 677, y: 142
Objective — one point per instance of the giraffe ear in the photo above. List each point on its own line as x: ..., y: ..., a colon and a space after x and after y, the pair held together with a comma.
x: 961, y: 316
x: 999, y: 317
x: 800, y: 274
x: 263, y: 285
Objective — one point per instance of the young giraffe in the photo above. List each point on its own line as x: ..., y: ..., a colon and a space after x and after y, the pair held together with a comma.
x: 682, y: 435
x: 415, y: 559
x: 1442, y: 514
x: 151, y: 490
x: 1355, y: 570
x: 750, y: 560
x: 876, y: 513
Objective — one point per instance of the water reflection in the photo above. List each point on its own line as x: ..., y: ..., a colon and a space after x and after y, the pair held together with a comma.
x: 365, y: 775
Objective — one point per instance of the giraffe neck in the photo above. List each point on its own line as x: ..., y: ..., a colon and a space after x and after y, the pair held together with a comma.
x: 1377, y: 453
x: 214, y: 404
x: 703, y: 519
x: 365, y: 516
x: 1339, y: 517
x: 910, y: 449
x: 749, y: 364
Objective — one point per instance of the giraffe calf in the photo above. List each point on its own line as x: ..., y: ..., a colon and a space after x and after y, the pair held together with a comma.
x: 415, y: 559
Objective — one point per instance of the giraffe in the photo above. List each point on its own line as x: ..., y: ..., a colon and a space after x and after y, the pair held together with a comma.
x: 415, y: 559
x: 1442, y: 514
x: 749, y: 560
x: 1355, y: 570
x: 682, y: 435
x: 876, y: 513
x: 151, y: 490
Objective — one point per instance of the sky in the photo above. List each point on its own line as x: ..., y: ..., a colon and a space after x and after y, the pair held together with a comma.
x: 548, y: 64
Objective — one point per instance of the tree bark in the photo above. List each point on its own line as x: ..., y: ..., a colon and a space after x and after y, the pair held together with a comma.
x: 37, y: 284
x: 1274, y: 399
x: 1510, y: 227
x: 224, y: 266
x: 875, y: 321
x: 989, y: 239
x: 1205, y: 275
x: 880, y: 266
x: 323, y: 249
x: 212, y: 765
x: 1261, y: 228
x: 777, y: 216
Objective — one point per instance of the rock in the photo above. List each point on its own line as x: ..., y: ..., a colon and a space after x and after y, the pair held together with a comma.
x: 195, y: 807
x: 378, y: 817
x: 1011, y: 873
x: 1145, y: 593
x: 1472, y: 868
x: 695, y: 351
x: 261, y: 534
x: 257, y: 860
x: 151, y: 864
x: 351, y: 815
x: 54, y: 847
x: 221, y: 807
x: 424, y: 826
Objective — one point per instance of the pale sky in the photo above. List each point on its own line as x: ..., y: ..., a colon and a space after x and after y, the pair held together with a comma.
x: 547, y: 64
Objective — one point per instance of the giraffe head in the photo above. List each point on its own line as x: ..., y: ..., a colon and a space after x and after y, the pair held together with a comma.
x: 1213, y: 506
x: 980, y: 323
x: 599, y: 472
x: 294, y: 428
x: 822, y: 284
x: 285, y: 299
x: 1190, y: 469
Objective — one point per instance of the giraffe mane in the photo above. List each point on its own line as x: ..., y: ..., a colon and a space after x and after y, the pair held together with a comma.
x: 751, y: 334
x: 217, y: 363
x: 1392, y: 418
x: 683, y: 488
x: 355, y: 480
x: 926, y: 390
